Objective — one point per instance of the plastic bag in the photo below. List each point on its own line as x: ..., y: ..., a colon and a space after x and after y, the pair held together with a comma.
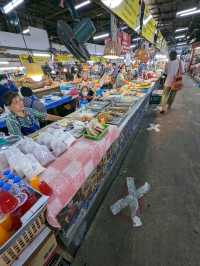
x: 58, y: 146
x: 14, y: 157
x: 42, y: 154
x: 26, y: 145
x: 30, y: 166
x: 45, y: 138
x: 3, y: 161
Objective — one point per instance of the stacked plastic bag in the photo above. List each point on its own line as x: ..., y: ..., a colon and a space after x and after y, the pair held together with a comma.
x: 56, y: 140
x: 28, y: 158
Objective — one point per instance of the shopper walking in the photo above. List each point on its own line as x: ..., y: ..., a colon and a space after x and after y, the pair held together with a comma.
x: 173, y: 83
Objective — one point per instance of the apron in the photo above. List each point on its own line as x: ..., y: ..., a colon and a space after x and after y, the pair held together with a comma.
x: 29, y: 130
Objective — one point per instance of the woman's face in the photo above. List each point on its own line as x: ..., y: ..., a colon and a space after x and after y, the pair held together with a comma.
x: 17, y: 105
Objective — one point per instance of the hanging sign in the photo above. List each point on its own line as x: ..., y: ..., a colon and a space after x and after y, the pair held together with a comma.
x: 59, y: 58
x: 124, y: 39
x: 24, y: 59
x: 127, y: 10
x: 149, y: 26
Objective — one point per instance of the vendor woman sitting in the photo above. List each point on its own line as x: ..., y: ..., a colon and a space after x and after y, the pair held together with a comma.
x: 21, y: 120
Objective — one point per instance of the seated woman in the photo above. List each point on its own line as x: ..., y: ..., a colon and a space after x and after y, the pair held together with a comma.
x: 121, y: 77
x: 21, y: 120
x: 31, y: 101
x: 86, y: 94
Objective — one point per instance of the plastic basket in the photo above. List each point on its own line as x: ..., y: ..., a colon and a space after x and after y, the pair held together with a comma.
x: 11, y: 250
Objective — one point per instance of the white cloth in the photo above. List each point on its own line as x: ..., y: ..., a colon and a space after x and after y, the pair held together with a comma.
x: 171, y: 70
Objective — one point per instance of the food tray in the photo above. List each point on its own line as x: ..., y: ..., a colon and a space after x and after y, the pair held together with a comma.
x: 99, y: 137
x: 31, y: 227
x: 97, y: 105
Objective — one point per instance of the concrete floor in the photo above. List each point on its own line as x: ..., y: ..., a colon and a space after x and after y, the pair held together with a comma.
x: 170, y: 161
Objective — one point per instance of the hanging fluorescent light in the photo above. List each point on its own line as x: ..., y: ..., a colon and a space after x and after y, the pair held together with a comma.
x: 145, y: 21
x: 193, y: 40
x: 11, y: 68
x: 26, y: 31
x: 136, y: 39
x: 190, y: 13
x: 41, y: 54
x: 181, y: 43
x: 186, y: 11
x: 85, y: 3
x: 180, y: 37
x: 124, y: 27
x: 12, y: 5
x: 4, y: 63
x: 112, y: 3
x: 181, y: 29
x: 101, y: 36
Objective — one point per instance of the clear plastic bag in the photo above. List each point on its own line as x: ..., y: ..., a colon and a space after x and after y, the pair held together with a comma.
x: 14, y: 157
x: 30, y: 166
x: 26, y: 145
x: 58, y: 146
x: 42, y: 154
x: 45, y: 138
x: 3, y: 161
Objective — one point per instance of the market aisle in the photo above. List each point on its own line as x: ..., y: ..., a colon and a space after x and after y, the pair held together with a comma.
x: 169, y: 160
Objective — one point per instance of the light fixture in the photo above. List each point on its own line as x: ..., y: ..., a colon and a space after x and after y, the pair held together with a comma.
x: 11, y: 5
x: 101, y: 36
x: 190, y: 13
x: 85, y: 3
x: 145, y: 21
x: 193, y: 40
x: 34, y: 71
x: 4, y: 63
x: 112, y: 3
x: 181, y: 43
x: 186, y: 11
x: 181, y: 29
x: 180, y: 37
x: 26, y: 31
x: 124, y: 27
x: 136, y: 39
x: 11, y: 68
x: 42, y: 54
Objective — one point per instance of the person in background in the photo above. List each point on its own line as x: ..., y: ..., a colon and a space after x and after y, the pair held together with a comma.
x: 115, y: 71
x: 5, y: 86
x: 171, y: 69
x: 32, y: 101
x: 121, y: 77
x: 68, y: 75
x: 86, y: 94
x: 23, y: 121
x: 129, y: 75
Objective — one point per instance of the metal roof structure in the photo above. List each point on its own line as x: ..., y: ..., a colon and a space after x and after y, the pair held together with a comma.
x: 45, y: 13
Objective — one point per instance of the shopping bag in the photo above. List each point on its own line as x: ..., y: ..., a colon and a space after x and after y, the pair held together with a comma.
x: 178, y: 81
